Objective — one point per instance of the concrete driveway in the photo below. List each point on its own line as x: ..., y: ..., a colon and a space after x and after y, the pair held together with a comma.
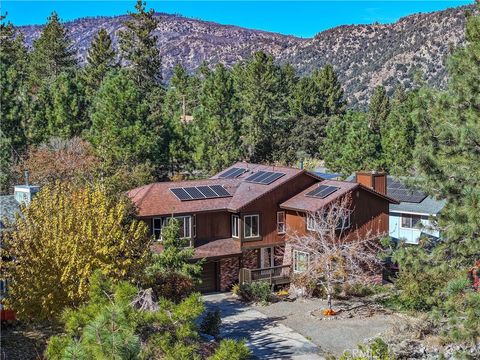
x: 266, y: 336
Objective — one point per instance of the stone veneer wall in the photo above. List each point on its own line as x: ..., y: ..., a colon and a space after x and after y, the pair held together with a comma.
x: 229, y: 269
x: 250, y: 259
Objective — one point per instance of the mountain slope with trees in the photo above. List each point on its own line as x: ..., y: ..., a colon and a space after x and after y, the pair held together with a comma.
x: 364, y: 56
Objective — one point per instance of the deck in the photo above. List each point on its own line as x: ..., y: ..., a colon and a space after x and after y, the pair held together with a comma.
x: 277, y: 275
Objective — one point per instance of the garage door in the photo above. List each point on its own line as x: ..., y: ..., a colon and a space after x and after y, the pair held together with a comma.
x: 209, y: 278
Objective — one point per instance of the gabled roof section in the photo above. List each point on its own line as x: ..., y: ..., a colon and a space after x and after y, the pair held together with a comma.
x: 157, y: 199
x: 304, y: 203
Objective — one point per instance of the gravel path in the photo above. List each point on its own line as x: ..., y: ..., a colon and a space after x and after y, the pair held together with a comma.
x: 266, y: 336
x: 334, y: 336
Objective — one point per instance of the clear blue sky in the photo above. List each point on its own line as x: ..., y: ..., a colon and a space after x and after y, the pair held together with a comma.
x: 300, y: 18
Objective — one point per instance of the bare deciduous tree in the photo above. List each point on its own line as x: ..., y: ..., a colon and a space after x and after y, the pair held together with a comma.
x: 337, y: 253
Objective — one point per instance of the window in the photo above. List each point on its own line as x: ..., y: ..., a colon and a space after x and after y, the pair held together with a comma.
x: 300, y: 261
x: 281, y: 222
x: 157, y: 228
x: 344, y: 222
x: 235, y: 226
x: 184, y: 222
x: 251, y: 226
x: 410, y: 221
x: 310, y: 222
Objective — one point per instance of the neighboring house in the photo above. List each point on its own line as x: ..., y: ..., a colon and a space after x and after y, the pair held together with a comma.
x: 415, y: 215
x: 9, y: 208
x: 239, y: 218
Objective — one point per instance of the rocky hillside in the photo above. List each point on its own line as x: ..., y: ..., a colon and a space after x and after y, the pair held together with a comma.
x: 363, y: 55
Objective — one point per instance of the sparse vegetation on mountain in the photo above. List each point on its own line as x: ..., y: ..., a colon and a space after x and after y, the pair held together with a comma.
x: 363, y: 56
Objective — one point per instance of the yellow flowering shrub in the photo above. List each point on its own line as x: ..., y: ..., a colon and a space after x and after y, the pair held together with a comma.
x: 61, y: 238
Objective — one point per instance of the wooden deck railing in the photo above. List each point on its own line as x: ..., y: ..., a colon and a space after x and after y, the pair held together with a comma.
x: 274, y: 275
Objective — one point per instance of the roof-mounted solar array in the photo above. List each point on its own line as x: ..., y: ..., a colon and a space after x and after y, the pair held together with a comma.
x: 232, y: 173
x: 264, y: 177
x: 322, y: 191
x: 402, y: 193
x: 200, y: 192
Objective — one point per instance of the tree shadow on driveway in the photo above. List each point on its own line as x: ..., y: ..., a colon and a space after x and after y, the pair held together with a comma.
x: 266, y: 336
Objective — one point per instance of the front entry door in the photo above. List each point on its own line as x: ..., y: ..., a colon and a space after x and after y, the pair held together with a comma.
x: 266, y: 257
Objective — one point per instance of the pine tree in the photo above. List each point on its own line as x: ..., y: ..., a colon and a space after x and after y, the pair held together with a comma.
x: 331, y: 90
x: 181, y: 101
x: 447, y: 152
x: 139, y: 49
x: 52, y: 53
x: 350, y: 145
x: 65, y: 114
x: 119, y: 133
x: 217, y: 122
x: 398, y: 133
x: 378, y: 109
x: 101, y: 58
x: 13, y: 100
x: 258, y: 84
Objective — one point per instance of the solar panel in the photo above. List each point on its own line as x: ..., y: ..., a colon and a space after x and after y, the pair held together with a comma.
x: 194, y: 193
x: 397, y: 190
x: 220, y: 190
x: 264, y: 177
x: 232, y: 173
x: 322, y: 191
x: 200, y: 192
x: 181, y: 194
x: 272, y: 177
x: 205, y: 190
x: 253, y: 177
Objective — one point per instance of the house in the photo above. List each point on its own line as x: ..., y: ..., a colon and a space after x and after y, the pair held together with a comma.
x: 415, y: 215
x: 10, y: 206
x: 239, y: 218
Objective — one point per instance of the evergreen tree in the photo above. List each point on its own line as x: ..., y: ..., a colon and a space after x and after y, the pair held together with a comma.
x: 65, y: 114
x: 447, y: 152
x: 258, y: 84
x: 13, y: 100
x: 378, y: 109
x: 139, y: 47
x: 448, y: 160
x: 350, y: 145
x: 101, y: 58
x: 52, y: 52
x: 217, y: 122
x: 119, y: 133
x: 331, y: 90
x: 398, y: 133
x: 181, y: 101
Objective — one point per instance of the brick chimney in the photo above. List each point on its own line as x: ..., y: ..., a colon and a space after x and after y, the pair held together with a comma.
x: 373, y: 180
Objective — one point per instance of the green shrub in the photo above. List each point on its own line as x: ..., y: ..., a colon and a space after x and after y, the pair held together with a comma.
x: 211, y: 323
x: 256, y: 291
x: 261, y: 291
x: 231, y: 350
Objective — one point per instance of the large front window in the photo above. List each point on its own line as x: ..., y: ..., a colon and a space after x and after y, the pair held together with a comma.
x: 251, y: 226
x: 410, y: 221
x: 184, y: 223
x: 300, y: 261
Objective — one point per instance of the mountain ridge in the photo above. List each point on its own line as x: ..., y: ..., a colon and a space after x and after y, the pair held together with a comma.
x: 364, y: 56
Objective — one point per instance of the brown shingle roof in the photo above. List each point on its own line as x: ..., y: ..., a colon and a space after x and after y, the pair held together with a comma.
x: 157, y: 199
x: 311, y: 204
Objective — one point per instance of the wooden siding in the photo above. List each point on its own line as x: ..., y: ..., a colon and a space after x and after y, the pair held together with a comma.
x: 267, y: 207
x: 213, y: 226
x: 370, y: 215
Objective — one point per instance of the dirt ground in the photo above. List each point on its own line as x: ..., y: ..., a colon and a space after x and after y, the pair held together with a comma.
x: 354, y: 323
x: 20, y: 342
